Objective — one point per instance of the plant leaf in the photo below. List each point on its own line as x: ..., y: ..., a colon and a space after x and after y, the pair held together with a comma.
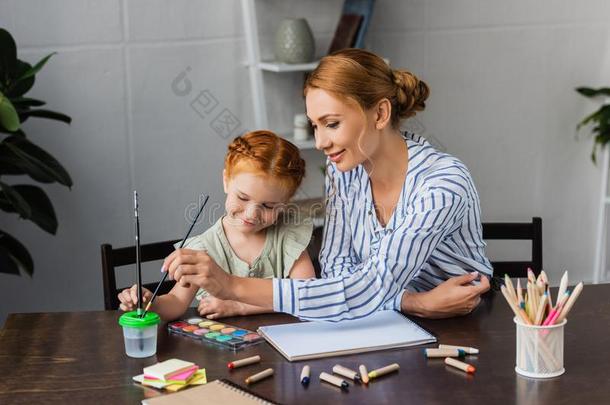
x: 13, y: 255
x: 8, y: 57
x: 18, y: 154
x: 589, y: 92
x: 19, y: 204
x: 36, y: 68
x: 5, y: 204
x: 19, y: 88
x: 13, y: 164
x: 7, y: 264
x: 42, y: 211
x: 27, y: 102
x: 17, y: 132
x: 601, y: 115
x: 8, y: 116
x: 45, y: 114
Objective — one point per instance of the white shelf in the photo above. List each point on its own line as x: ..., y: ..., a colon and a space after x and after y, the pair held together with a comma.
x: 280, y: 67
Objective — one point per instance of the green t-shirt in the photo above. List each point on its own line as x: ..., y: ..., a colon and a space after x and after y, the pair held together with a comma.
x: 284, y: 243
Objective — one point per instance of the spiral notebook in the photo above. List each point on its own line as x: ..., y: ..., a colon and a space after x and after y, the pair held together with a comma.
x: 217, y: 392
x: 311, y: 340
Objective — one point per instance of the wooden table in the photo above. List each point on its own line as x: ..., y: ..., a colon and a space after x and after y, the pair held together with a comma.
x: 79, y: 358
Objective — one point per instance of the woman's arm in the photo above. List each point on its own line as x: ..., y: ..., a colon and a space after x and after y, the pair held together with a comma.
x: 380, y: 281
x: 301, y: 269
x: 213, y: 308
x: 361, y: 289
x: 456, y: 296
x: 375, y: 284
x: 453, y: 297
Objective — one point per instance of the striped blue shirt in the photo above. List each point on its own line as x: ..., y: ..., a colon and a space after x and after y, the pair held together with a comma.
x: 434, y: 233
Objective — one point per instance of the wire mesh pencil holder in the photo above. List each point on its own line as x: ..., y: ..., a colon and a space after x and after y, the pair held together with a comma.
x: 539, y: 351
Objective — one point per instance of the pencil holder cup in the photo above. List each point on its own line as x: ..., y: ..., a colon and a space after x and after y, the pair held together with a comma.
x: 140, y: 333
x: 539, y: 350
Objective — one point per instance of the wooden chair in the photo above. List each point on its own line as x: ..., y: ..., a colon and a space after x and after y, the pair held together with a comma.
x: 113, y: 258
x: 516, y: 231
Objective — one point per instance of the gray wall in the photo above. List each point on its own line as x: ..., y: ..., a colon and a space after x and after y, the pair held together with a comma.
x: 502, y: 76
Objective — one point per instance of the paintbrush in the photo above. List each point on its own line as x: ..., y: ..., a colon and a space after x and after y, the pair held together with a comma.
x: 181, y: 245
x: 138, y: 257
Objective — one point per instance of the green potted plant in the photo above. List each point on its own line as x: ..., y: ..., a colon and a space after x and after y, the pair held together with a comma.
x: 600, y: 119
x: 20, y: 156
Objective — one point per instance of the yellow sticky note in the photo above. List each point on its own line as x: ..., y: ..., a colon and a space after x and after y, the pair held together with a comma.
x: 199, y: 378
x: 175, y: 387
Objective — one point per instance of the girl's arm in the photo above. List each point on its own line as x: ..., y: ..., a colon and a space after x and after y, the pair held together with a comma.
x: 303, y: 267
x: 173, y: 304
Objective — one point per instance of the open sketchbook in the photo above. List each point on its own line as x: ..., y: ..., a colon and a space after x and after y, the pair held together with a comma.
x: 311, y: 340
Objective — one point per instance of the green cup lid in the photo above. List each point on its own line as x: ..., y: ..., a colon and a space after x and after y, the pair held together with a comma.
x: 132, y: 319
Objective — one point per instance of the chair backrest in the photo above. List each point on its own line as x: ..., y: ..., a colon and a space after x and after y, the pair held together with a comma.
x: 314, y: 248
x: 113, y: 258
x: 516, y: 231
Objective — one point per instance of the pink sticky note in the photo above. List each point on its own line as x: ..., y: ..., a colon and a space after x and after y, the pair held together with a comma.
x: 185, y: 375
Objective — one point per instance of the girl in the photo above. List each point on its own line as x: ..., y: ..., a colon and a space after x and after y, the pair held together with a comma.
x: 403, y: 225
x: 258, y: 237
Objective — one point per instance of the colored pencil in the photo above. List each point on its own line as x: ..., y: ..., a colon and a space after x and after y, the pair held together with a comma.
x: 570, y: 303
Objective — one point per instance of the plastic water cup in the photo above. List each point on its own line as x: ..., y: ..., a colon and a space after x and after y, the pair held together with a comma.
x: 140, y: 334
x: 539, y: 350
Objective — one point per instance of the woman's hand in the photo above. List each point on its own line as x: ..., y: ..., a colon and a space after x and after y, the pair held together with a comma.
x: 456, y: 296
x: 196, y: 267
x: 212, y: 307
x: 129, y: 297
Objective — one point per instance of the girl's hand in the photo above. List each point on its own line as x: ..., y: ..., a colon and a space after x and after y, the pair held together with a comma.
x: 196, y: 267
x: 212, y: 308
x: 456, y: 296
x: 129, y: 297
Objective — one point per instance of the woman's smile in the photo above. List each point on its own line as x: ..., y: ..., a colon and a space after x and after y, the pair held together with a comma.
x: 336, y: 157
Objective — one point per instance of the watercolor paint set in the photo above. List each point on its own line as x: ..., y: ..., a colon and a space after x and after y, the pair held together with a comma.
x: 216, y: 333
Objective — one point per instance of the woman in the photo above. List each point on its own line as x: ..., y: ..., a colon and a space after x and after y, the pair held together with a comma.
x: 403, y: 227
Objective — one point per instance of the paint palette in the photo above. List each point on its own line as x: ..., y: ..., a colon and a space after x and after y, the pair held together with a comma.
x: 215, y: 333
